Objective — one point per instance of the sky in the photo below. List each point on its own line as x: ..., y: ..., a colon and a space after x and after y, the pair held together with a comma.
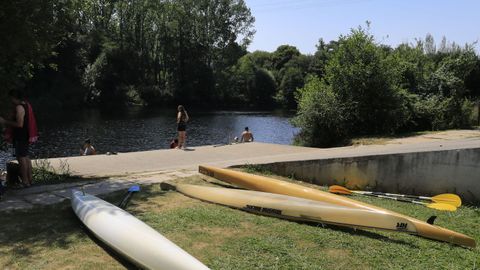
x: 302, y: 23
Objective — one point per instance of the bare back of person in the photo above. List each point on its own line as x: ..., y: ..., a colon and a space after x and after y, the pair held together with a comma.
x: 247, y: 136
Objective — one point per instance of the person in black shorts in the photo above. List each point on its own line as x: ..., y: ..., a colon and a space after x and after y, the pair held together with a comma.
x: 20, y: 135
x: 182, y: 119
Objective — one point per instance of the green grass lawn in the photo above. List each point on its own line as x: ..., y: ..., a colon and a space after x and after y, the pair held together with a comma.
x: 224, y: 238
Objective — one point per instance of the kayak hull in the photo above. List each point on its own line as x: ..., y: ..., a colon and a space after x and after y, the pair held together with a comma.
x: 294, y: 208
x: 267, y: 184
x: 129, y: 236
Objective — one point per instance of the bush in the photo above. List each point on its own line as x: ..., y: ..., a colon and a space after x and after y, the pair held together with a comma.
x: 43, y: 172
x: 320, y: 115
x: 435, y: 112
x: 365, y: 82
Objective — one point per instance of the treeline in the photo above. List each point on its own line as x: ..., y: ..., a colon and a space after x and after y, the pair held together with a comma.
x: 69, y: 53
x: 77, y: 53
x: 365, y: 88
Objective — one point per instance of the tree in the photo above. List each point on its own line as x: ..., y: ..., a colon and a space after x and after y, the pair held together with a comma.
x: 321, y: 57
x: 254, y: 85
x: 290, y: 78
x: 29, y: 35
x: 320, y: 115
x: 283, y: 55
x: 365, y: 82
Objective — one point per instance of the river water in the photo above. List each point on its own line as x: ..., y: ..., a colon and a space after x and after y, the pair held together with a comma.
x: 138, y: 129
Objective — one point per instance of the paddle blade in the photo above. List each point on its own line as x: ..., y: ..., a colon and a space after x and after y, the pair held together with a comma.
x: 442, y: 206
x: 134, y: 189
x: 451, y: 199
x: 339, y: 190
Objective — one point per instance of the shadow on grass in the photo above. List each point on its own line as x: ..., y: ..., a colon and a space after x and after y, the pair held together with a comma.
x: 24, y: 233
x: 114, y: 254
x: 364, y: 233
x: 345, y: 229
x: 41, y: 227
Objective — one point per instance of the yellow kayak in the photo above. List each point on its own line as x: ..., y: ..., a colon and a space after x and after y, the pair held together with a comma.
x: 267, y: 184
x: 294, y: 208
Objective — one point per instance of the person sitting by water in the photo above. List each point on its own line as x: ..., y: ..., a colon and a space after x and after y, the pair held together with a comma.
x: 247, y: 136
x: 174, y: 143
x: 87, y: 148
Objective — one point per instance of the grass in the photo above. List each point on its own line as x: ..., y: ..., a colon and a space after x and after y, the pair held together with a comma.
x: 225, y: 238
x: 44, y: 173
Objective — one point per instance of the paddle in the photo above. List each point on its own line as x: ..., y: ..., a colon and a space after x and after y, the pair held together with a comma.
x: 446, y: 198
x: 438, y: 206
x: 123, y: 204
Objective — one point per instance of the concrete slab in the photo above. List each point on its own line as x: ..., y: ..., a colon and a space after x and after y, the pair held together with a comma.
x: 14, y: 203
x: 152, y: 179
x: 47, y: 188
x: 107, y: 187
x: 239, y: 154
x: 43, y: 199
x: 148, y: 161
x: 101, y: 187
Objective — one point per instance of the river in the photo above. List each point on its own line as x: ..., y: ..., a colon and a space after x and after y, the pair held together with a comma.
x: 139, y: 129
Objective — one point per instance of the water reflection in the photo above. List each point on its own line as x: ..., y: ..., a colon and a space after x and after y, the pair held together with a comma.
x: 140, y: 129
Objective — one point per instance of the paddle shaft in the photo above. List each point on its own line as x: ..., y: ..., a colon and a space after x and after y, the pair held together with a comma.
x: 394, y: 195
x: 393, y: 198
x: 123, y: 204
x: 450, y: 199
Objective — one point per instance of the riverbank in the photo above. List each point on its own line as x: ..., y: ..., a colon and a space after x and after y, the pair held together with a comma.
x: 40, y: 231
x: 155, y: 166
x: 125, y: 164
x: 51, y: 237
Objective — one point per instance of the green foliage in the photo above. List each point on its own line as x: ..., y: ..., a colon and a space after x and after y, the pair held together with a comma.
x: 380, y: 91
x: 364, y: 83
x: 255, y: 168
x: 321, y: 57
x: 251, y: 84
x: 320, y: 115
x: 44, y: 173
x: 290, y: 78
x: 104, y: 51
x: 437, y: 113
x: 283, y: 55
x: 225, y: 238
x: 73, y: 53
x: 28, y: 35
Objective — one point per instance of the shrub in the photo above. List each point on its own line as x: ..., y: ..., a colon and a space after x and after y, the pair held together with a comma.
x: 435, y: 112
x: 365, y: 82
x: 320, y: 115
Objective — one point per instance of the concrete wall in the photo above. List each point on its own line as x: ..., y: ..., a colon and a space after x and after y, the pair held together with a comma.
x: 421, y: 173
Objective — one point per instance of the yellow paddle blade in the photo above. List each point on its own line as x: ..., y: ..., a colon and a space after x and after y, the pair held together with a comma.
x: 451, y: 199
x: 442, y: 206
x: 339, y: 190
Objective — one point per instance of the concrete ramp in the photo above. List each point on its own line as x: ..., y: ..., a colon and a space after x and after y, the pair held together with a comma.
x: 427, y: 167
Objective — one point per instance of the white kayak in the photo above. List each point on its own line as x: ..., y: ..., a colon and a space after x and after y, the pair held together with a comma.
x: 129, y: 236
